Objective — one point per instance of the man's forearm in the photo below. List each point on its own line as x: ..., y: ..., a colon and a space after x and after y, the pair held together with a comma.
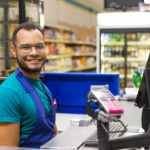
x: 56, y: 131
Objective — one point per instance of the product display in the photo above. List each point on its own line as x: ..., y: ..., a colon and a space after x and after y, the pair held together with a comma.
x: 113, y: 51
x: 114, y: 54
x: 59, y: 65
x: 65, y: 53
x: 6, y: 73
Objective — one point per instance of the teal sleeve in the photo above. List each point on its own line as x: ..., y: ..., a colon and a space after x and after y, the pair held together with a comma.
x: 10, y: 106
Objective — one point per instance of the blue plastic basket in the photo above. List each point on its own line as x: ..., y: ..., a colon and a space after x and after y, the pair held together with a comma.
x: 70, y: 89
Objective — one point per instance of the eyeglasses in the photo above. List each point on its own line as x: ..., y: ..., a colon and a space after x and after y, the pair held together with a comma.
x: 27, y: 48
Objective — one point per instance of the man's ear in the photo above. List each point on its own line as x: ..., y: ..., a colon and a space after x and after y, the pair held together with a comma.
x: 13, y: 50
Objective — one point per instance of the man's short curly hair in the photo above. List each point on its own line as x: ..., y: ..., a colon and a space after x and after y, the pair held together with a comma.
x: 27, y: 26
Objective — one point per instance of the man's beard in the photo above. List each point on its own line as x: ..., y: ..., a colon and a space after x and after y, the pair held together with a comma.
x: 26, y: 68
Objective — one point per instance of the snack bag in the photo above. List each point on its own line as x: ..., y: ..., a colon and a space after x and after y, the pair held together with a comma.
x: 137, y: 79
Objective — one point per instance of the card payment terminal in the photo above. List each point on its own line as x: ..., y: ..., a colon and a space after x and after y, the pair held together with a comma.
x: 107, y: 101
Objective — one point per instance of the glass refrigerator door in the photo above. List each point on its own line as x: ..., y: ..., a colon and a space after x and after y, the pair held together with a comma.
x: 112, y: 54
x: 9, y: 13
x: 138, y: 48
x: 32, y: 13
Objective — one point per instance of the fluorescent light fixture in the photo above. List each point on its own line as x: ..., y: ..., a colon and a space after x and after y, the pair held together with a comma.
x: 147, y: 1
x: 123, y: 19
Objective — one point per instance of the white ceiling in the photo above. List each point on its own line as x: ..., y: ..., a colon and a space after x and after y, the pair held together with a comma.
x: 98, y: 4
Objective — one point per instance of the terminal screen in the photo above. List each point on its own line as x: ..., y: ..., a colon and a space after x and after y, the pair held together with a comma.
x: 104, y: 94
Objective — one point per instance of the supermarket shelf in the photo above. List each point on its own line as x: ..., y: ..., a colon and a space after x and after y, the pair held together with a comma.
x: 84, y: 54
x: 129, y: 76
x: 70, y: 42
x: 138, y: 43
x: 57, y: 26
x: 84, y: 68
x: 137, y: 59
x: 121, y: 75
x: 75, y: 69
x: 70, y: 55
x: 3, y: 78
x: 58, y: 56
x: 84, y: 43
x: 63, y: 70
x: 113, y: 43
x: 113, y: 59
x: 57, y: 41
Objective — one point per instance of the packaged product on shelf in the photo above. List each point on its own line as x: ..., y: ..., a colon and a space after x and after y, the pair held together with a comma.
x: 113, y: 37
x: 143, y: 37
x: 131, y: 37
x: 73, y: 37
x: 67, y: 36
x: 79, y: 62
x: 143, y: 52
x: 2, y: 73
x: 90, y: 49
x: 61, y: 48
x: 137, y: 79
x: 68, y: 63
x: 83, y: 48
x: 113, y: 51
x: 6, y: 73
x: 48, y: 67
x: 14, y: 64
x: 11, y: 29
x: 90, y: 61
x: 76, y: 49
x: 82, y: 61
x: 47, y: 48
x: 121, y: 82
x: 68, y: 50
x: 9, y: 72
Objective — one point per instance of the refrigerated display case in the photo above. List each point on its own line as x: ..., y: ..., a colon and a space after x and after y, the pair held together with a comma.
x: 12, y: 13
x: 123, y: 50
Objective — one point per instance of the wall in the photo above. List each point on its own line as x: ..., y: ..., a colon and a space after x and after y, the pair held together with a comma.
x: 59, y: 11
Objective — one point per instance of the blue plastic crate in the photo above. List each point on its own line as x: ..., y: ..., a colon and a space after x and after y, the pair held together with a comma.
x: 70, y: 89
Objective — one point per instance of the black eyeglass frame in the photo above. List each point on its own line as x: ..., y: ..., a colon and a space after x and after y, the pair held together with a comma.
x: 31, y: 48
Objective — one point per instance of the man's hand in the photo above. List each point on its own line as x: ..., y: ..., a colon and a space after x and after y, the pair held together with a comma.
x: 9, y: 134
x: 56, y: 131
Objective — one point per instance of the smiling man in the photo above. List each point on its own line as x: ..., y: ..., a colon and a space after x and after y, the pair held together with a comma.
x: 27, y: 113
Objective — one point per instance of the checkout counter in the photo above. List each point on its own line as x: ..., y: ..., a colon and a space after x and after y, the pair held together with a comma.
x: 73, y: 135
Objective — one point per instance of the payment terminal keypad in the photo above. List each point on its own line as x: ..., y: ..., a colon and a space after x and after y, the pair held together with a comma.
x: 113, y: 106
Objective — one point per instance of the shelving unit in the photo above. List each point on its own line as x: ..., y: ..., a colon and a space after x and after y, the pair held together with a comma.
x: 117, y: 59
x: 79, y: 51
x: 112, y: 43
x: 123, y: 50
x: 76, y: 69
x: 84, y: 68
x: 136, y: 43
x: 70, y: 55
x: 70, y: 42
x: 137, y: 59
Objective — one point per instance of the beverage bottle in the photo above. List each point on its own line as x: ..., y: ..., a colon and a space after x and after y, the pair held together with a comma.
x: 120, y: 51
x: 117, y: 51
